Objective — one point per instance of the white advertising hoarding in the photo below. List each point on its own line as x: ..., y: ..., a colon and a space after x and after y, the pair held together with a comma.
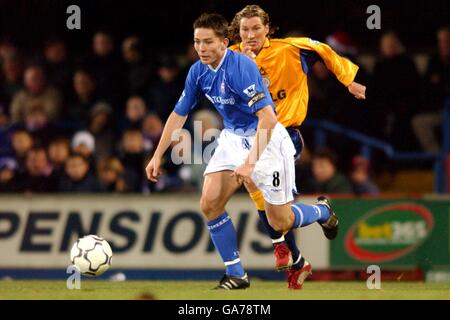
x: 161, y: 231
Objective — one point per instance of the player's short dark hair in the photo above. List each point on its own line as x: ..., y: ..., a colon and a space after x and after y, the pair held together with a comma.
x: 213, y: 21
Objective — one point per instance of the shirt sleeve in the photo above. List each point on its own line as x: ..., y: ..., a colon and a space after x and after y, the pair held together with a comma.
x: 250, y: 87
x: 344, y: 70
x: 190, y: 95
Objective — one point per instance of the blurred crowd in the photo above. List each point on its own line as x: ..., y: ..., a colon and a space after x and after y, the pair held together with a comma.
x: 89, y: 123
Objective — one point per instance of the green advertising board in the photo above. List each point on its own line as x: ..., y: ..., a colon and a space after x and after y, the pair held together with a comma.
x: 392, y: 233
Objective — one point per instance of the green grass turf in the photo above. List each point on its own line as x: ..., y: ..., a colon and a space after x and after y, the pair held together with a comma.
x: 200, y: 290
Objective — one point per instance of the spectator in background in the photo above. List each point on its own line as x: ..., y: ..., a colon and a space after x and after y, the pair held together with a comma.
x: 57, y: 66
x: 78, y: 177
x: 360, y: 177
x: 11, y: 80
x: 8, y: 175
x: 36, y: 92
x: 7, y: 49
x: 21, y: 143
x: 138, y: 70
x: 83, y: 142
x: 165, y: 92
x: 38, y: 176
x: 6, y: 130
x: 134, y: 113
x: 102, y: 128
x: 395, y: 93
x: 58, y: 153
x: 343, y: 44
x: 190, y: 57
x: 110, y: 173
x: 152, y: 128
x: 133, y: 158
x: 437, y: 88
x: 77, y: 110
x: 37, y: 123
x: 303, y: 170
x: 107, y: 69
x: 326, y: 178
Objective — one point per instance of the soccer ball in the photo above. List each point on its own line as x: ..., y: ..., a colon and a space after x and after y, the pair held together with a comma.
x: 92, y: 255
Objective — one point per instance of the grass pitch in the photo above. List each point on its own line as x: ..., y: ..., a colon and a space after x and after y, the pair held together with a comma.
x: 201, y: 290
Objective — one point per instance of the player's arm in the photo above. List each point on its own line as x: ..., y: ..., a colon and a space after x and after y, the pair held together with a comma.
x: 266, y: 122
x: 174, y: 122
x: 344, y: 70
x: 252, y: 89
x: 357, y: 89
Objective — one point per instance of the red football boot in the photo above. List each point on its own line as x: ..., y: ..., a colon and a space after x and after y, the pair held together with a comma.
x: 283, y: 256
x: 297, y: 277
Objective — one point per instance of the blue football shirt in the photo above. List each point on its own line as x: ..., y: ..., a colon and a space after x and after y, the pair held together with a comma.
x: 235, y: 88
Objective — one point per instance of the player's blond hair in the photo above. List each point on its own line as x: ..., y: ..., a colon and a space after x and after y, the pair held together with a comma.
x: 249, y: 11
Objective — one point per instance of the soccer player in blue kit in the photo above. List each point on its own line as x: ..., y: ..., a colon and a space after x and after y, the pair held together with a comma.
x: 252, y: 147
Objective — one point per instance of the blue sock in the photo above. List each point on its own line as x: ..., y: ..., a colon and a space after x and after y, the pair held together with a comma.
x: 224, y: 238
x: 306, y: 214
x: 274, y: 235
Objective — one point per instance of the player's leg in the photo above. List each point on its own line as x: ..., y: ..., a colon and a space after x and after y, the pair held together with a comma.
x: 285, y: 249
x: 218, y: 188
x: 292, y: 216
x: 274, y: 174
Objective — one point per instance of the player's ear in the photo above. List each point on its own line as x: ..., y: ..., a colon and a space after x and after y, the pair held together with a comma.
x: 266, y: 29
x: 225, y: 42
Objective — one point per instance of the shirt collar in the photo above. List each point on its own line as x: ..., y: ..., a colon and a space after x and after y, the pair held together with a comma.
x: 220, y: 63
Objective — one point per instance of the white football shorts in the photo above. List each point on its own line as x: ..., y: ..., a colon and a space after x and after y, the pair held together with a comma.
x: 274, y: 172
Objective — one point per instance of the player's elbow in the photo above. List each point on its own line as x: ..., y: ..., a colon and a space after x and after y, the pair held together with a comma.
x: 267, y: 117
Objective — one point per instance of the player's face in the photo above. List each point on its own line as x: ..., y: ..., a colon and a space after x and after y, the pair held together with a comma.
x: 253, y: 33
x: 210, y: 48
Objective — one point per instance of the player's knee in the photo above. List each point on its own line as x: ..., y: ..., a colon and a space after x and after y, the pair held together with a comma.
x: 211, y: 207
x: 279, y: 225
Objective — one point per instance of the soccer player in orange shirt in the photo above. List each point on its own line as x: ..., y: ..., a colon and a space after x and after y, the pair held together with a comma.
x: 284, y: 65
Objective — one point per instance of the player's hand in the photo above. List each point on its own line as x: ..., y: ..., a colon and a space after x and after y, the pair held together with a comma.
x: 153, y: 169
x: 249, y: 53
x: 358, y: 90
x: 243, y: 173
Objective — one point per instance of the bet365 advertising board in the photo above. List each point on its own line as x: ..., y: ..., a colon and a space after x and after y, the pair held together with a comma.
x: 392, y: 233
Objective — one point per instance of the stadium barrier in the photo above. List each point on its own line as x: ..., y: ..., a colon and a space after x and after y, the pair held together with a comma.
x: 441, y: 161
x: 164, y: 236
